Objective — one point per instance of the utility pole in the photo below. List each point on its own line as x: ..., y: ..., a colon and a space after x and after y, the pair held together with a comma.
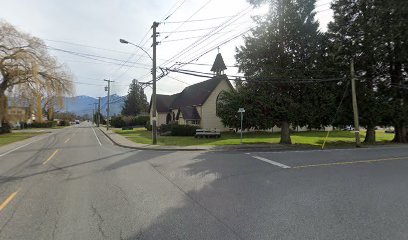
x: 107, y: 114
x: 354, y: 98
x: 154, y: 117
x: 98, y: 118
x: 94, y: 111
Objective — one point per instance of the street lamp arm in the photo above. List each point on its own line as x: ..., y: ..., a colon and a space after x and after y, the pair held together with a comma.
x: 127, y: 42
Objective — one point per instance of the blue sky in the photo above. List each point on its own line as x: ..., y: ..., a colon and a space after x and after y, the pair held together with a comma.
x: 92, y: 29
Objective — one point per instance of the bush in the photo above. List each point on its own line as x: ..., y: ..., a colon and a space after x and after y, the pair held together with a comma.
x: 178, y: 130
x: 148, y: 126
x: 164, y: 128
x: 183, y: 130
x: 5, y: 128
x: 63, y: 123
x: 141, y: 120
x: 49, y: 124
x: 129, y: 121
x: 117, y: 122
x: 23, y: 125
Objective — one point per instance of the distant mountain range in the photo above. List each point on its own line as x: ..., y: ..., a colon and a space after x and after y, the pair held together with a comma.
x: 81, y: 105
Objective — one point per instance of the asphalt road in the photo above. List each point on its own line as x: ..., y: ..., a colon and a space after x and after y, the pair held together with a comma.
x: 74, y: 184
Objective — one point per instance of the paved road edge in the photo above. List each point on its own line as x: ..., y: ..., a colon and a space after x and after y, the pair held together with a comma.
x: 121, y: 141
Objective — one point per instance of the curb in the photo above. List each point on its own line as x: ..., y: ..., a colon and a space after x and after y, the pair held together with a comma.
x: 154, y: 149
x: 232, y: 148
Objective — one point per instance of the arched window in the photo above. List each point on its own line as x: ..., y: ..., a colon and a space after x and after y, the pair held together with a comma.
x: 219, y: 102
x: 168, y: 118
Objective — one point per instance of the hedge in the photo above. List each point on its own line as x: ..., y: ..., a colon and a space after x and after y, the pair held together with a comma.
x: 49, y: 124
x: 179, y: 130
x: 129, y: 121
x: 5, y: 128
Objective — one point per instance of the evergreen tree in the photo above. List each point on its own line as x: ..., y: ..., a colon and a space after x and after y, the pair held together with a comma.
x: 370, y: 32
x: 285, y: 49
x: 136, y: 100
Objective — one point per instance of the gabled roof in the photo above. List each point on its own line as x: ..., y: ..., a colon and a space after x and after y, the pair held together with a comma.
x: 196, y: 94
x: 164, y: 102
x: 193, y: 95
x: 190, y: 113
x: 219, y: 64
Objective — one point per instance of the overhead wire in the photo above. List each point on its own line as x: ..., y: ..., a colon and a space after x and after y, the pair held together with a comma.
x: 205, y: 37
x: 171, y: 14
x: 197, y: 11
x: 198, y: 20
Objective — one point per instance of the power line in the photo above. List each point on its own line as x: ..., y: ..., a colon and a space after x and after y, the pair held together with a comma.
x: 175, y: 10
x: 200, y: 20
x: 189, y: 30
x: 93, y: 56
x: 178, y: 80
x: 259, y: 79
x: 177, y: 28
x: 84, y: 45
x: 196, y: 58
x: 187, y: 38
x: 207, y: 36
x: 131, y: 56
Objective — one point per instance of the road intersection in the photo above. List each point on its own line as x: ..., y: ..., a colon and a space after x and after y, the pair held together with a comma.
x: 75, y: 184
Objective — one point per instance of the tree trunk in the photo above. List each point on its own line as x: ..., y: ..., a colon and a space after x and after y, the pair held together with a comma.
x: 285, y: 133
x: 3, y: 108
x: 400, y: 134
x: 370, y: 135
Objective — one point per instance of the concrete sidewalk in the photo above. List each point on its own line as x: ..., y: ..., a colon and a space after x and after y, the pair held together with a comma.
x: 124, y: 142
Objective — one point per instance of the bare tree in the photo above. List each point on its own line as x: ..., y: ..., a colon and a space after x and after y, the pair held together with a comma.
x: 28, y: 69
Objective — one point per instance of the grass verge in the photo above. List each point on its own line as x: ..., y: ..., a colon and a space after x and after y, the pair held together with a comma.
x: 313, y: 138
x: 16, y: 136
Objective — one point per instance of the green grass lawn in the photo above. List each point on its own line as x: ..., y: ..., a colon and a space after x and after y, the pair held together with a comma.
x: 140, y: 135
x: 15, y: 137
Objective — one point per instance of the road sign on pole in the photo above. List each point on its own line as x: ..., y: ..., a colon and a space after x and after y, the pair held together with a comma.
x: 241, y: 110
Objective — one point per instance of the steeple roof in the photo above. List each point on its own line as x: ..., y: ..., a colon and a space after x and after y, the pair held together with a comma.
x: 218, y: 65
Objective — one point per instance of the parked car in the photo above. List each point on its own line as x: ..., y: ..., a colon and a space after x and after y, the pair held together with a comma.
x: 348, y: 128
x: 76, y: 121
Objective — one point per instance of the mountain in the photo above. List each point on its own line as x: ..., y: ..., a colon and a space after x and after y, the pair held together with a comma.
x: 81, y: 105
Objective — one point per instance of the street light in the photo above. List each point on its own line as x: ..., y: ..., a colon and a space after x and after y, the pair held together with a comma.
x: 127, y: 42
x: 153, y: 101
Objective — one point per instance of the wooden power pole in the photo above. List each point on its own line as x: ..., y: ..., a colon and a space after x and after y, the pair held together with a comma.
x: 98, y: 118
x: 107, y: 114
x: 354, y: 99
x: 154, y: 110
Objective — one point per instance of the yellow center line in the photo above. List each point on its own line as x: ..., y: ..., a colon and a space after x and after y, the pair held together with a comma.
x: 67, y: 140
x: 4, y: 204
x: 55, y: 152
x: 351, y: 162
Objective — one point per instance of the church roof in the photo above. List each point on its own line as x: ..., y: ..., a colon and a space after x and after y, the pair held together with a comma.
x: 219, y: 64
x: 193, y: 95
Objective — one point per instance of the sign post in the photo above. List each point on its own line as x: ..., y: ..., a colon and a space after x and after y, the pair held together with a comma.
x: 241, y: 110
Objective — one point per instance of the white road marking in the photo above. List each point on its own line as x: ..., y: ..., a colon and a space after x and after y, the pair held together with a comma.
x: 329, y: 150
x: 100, y: 144
x: 271, y: 162
x: 12, y: 150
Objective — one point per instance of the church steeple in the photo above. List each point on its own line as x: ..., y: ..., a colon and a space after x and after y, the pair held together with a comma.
x: 219, y: 65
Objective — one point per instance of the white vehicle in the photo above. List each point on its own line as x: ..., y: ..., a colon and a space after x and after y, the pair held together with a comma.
x: 76, y: 121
